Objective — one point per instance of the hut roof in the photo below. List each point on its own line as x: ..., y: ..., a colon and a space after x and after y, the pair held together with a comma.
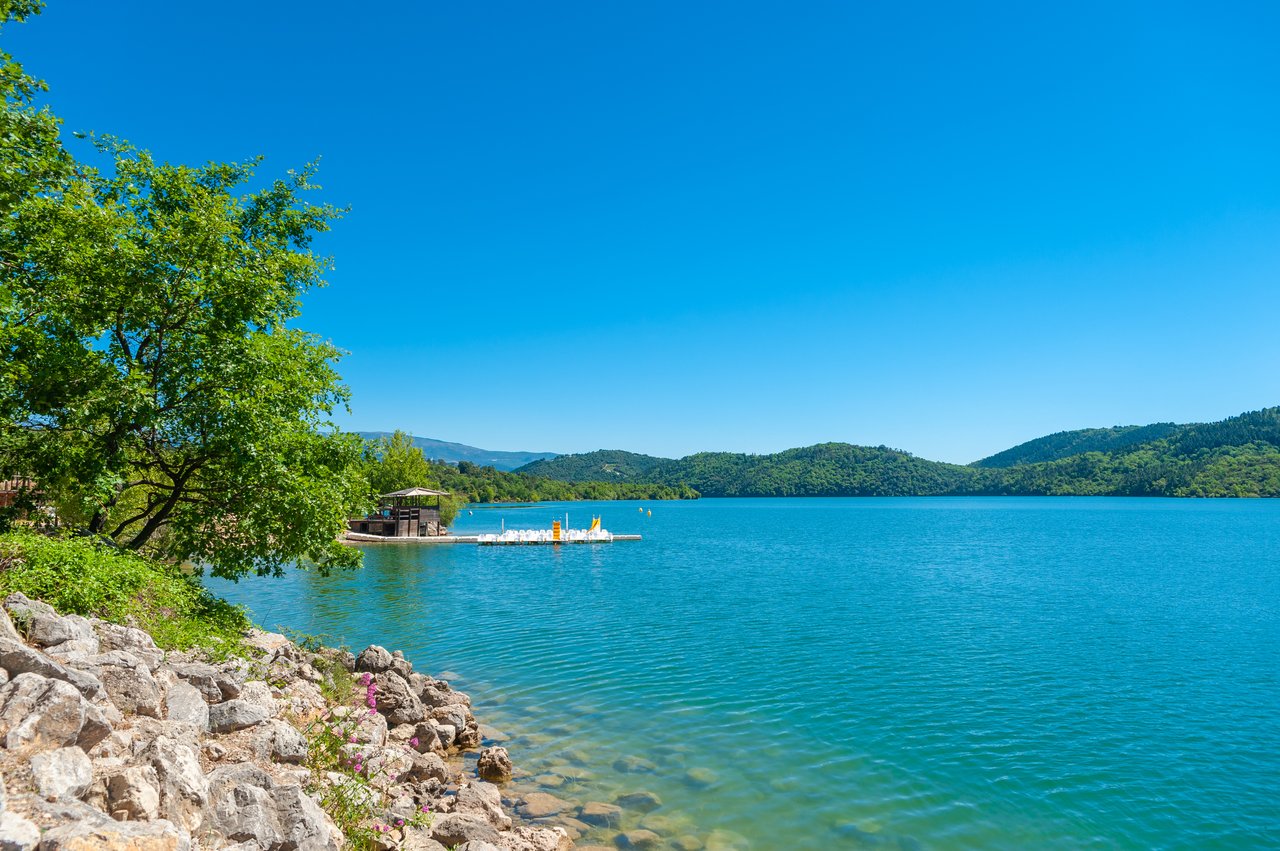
x: 414, y: 492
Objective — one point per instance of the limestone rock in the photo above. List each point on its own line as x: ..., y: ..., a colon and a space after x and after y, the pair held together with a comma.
x: 18, y: 833
x: 600, y: 814
x: 128, y: 681
x: 131, y: 640
x: 81, y: 828
x: 185, y: 703
x: 62, y: 773
x: 478, y: 845
x: 241, y: 808
x: 426, y: 766
x: 37, y: 713
x: 482, y: 799
x: 640, y: 839
x: 259, y: 693
x: 643, y: 802
x: 204, y: 677
x: 48, y: 631
x: 495, y: 765
x: 454, y: 714
x: 634, y: 765
x: 374, y: 659
x: 134, y: 792
x: 236, y: 715
x: 184, y: 790
x: 446, y: 734
x: 303, y: 824
x: 529, y: 838
x: 24, y: 610
x: 18, y: 658
x: 395, y: 699
x: 456, y: 828
x: 281, y: 742
x: 540, y: 805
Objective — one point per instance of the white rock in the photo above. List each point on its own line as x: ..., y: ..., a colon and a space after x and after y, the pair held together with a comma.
x: 62, y: 773
x: 17, y: 833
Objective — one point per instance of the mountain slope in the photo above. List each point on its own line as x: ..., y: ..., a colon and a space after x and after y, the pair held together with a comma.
x: 1239, y: 456
x: 603, y: 465
x: 454, y: 452
x: 1064, y: 444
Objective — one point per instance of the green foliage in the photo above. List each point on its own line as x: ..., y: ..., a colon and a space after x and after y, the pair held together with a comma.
x: 1064, y: 444
x: 603, y: 465
x: 150, y: 381
x: 357, y: 792
x: 395, y: 462
x: 87, y: 577
x: 1239, y: 456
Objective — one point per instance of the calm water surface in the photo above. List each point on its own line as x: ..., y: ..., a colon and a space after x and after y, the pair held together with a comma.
x: 879, y: 673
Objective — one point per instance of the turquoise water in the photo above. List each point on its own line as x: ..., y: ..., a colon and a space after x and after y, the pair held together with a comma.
x: 880, y: 673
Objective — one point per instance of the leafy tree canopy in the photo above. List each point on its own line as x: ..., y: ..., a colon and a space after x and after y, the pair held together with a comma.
x: 150, y: 380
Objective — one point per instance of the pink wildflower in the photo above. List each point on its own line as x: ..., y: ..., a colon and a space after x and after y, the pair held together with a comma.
x: 414, y: 741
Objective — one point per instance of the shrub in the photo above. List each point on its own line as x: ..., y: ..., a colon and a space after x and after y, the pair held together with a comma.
x: 86, y: 577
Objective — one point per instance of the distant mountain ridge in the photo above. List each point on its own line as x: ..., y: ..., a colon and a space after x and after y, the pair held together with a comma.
x: 442, y: 450
x: 1238, y: 456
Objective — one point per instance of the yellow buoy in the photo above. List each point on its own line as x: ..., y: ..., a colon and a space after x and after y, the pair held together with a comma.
x: 650, y: 512
x: 640, y: 509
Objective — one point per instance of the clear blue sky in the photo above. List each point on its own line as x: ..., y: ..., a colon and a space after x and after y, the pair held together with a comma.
x: 670, y: 227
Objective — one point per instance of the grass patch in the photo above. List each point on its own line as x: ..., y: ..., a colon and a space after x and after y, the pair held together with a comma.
x: 85, y: 577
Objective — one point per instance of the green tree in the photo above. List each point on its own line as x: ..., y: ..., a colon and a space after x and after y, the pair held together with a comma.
x: 150, y: 379
x: 395, y: 463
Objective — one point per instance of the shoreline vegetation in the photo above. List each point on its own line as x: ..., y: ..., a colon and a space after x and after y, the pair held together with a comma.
x: 1236, y: 457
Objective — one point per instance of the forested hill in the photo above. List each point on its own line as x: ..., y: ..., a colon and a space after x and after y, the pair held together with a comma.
x: 1239, y: 456
x: 603, y: 465
x: 1064, y: 444
x: 443, y: 450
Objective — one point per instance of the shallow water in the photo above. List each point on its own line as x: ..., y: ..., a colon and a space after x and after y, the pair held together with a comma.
x: 847, y: 673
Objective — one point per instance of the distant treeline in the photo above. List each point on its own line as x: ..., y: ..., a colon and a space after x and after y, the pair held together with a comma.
x: 475, y: 483
x: 1237, y: 457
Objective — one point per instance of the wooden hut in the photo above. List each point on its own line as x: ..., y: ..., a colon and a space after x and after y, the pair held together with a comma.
x: 408, y: 513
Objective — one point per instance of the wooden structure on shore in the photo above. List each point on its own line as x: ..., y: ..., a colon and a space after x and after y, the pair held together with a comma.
x: 408, y: 513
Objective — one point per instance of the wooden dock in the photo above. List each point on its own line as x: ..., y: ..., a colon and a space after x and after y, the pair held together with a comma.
x: 358, y: 538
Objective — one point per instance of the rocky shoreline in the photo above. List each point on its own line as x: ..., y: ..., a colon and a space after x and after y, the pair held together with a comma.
x: 107, y: 741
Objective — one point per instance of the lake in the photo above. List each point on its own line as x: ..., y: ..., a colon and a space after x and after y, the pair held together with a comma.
x: 936, y: 673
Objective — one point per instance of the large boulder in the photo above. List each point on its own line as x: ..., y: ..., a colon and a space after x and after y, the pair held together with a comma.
x: 456, y: 828
x: 246, y: 805
x: 18, y: 658
x: 374, y: 659
x: 529, y: 838
x: 184, y: 790
x: 495, y: 765
x: 280, y: 742
x: 37, y: 713
x: 482, y: 799
x: 133, y: 793
x: 62, y: 773
x: 395, y: 699
x: 541, y: 805
x: 128, y: 681
x: 599, y: 814
x: 81, y: 827
x: 186, y: 704
x: 455, y: 715
x: 236, y: 715
x: 203, y: 676
x: 18, y: 833
x: 131, y: 640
